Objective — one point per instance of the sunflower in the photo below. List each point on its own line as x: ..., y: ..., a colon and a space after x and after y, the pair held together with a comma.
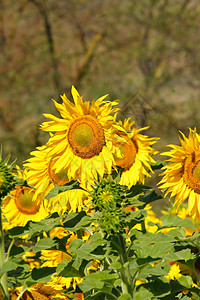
x: 174, y: 272
x: 41, y: 174
x: 182, y: 174
x: 42, y: 291
x: 51, y: 258
x: 80, y: 140
x: 21, y: 206
x: 133, y: 153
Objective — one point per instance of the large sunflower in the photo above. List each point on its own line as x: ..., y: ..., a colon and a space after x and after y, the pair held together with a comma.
x: 182, y: 174
x: 41, y: 174
x: 22, y: 206
x: 79, y: 143
x: 133, y: 153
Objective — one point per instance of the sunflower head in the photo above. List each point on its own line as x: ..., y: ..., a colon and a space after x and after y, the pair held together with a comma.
x: 81, y: 138
x: 181, y: 176
x: 133, y: 153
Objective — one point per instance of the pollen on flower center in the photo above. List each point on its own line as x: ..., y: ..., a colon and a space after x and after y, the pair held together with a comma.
x: 128, y: 152
x: 24, y: 201
x: 196, y: 171
x: 86, y: 137
x: 191, y: 173
x: 106, y: 196
x: 57, y: 178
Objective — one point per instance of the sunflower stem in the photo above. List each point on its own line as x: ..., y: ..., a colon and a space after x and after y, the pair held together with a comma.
x: 127, y: 285
x: 4, y: 283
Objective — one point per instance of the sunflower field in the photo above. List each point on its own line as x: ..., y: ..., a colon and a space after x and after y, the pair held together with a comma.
x: 77, y: 220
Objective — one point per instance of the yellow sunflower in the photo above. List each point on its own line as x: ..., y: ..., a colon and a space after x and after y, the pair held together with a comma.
x: 41, y: 174
x: 42, y: 291
x: 79, y: 143
x: 21, y: 206
x: 174, y: 272
x: 182, y: 174
x: 51, y: 258
x: 133, y: 153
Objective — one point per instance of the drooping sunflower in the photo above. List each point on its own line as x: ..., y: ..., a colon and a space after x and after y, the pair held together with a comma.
x: 182, y: 175
x: 79, y: 143
x: 42, y: 291
x: 41, y: 174
x: 21, y: 206
x: 133, y: 153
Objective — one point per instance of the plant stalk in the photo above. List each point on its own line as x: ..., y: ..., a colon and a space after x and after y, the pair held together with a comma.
x: 127, y: 285
x: 4, y: 283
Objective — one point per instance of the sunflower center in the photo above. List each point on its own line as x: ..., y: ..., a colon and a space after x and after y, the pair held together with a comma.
x: 196, y: 171
x: 191, y: 174
x: 24, y: 201
x: 128, y: 152
x: 106, y: 196
x: 86, y: 137
x: 57, y: 178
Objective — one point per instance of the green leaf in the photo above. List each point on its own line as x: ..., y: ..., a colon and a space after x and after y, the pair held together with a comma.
x: 66, y: 269
x: 185, y: 281
x: 195, y: 291
x: 96, y: 296
x: 138, y: 189
x: 97, y: 280
x: 16, y: 251
x: 76, y: 221
x: 75, y: 244
x: 43, y: 274
x: 143, y: 294
x: 8, y: 266
x: 152, y: 196
x: 184, y: 255
x: 175, y: 221
x: 50, y: 222
x: 125, y: 297
x: 157, y: 165
x: 43, y: 244
x: 115, y: 266
x: 93, y: 248
x: 63, y: 188
x: 158, y: 287
x: 18, y: 231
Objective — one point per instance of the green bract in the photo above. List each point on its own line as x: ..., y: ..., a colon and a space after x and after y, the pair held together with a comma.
x: 7, y: 179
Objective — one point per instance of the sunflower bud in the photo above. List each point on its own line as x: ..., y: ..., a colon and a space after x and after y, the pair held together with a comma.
x: 7, y: 179
x: 108, y: 198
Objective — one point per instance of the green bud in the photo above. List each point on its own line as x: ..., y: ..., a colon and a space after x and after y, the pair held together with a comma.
x: 108, y: 198
x: 7, y: 179
x: 107, y: 194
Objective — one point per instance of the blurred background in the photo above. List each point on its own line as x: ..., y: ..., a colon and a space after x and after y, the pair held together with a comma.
x: 145, y: 53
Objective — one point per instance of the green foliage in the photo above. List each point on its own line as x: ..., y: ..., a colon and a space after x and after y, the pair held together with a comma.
x: 116, y: 258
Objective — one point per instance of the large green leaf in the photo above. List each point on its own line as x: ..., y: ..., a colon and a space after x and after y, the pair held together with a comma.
x: 66, y: 269
x: 63, y: 188
x: 97, y: 280
x: 76, y: 221
x: 43, y: 244
x: 174, y: 221
x: 8, y: 266
x: 93, y: 248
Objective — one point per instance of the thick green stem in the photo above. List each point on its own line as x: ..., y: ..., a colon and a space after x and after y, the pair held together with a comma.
x: 4, y: 284
x: 127, y: 285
